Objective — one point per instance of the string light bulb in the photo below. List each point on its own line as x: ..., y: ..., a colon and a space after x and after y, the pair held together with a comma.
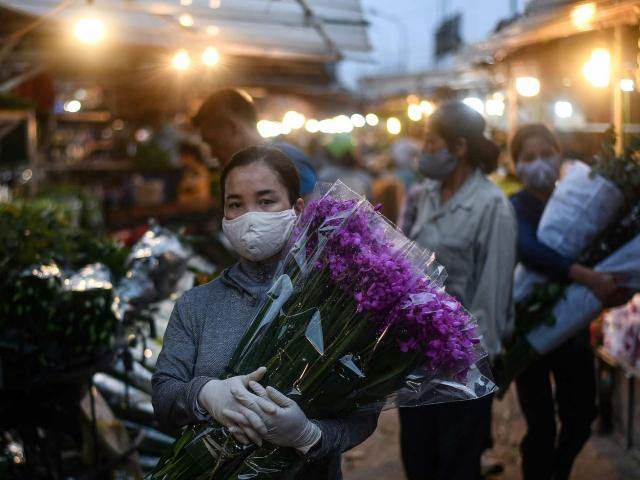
x: 181, y: 60
x: 186, y: 20
x: 210, y: 56
x: 90, y: 30
x: 394, y: 127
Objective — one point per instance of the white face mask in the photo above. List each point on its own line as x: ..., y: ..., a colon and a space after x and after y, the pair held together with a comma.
x: 257, y: 236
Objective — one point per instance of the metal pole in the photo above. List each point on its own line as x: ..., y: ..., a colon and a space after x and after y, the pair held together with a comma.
x: 618, y: 110
x: 512, y: 104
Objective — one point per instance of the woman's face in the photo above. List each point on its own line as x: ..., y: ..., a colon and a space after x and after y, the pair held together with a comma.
x: 536, y: 147
x: 433, y: 142
x: 255, y: 188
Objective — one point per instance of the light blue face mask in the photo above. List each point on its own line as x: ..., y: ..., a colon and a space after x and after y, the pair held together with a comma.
x: 438, y: 165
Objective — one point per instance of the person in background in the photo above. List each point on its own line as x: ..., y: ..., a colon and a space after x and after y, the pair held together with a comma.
x: 195, y: 183
x: 227, y: 121
x: 386, y: 188
x: 545, y: 453
x: 261, y: 196
x: 346, y: 166
x: 469, y: 223
x: 404, y: 153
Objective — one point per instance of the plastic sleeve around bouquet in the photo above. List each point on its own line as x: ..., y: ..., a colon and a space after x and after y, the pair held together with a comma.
x: 581, y: 207
x: 580, y: 306
x: 357, y: 320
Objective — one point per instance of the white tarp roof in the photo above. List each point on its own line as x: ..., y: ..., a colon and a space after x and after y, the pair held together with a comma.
x: 313, y: 29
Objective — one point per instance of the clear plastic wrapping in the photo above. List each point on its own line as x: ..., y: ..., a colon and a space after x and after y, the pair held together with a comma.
x: 356, y: 321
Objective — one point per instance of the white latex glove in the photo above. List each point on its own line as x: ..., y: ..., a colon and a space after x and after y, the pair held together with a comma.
x: 216, y: 397
x: 277, y: 418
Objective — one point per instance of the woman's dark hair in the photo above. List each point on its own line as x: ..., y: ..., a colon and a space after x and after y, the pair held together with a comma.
x: 526, y: 132
x: 453, y: 120
x: 273, y: 158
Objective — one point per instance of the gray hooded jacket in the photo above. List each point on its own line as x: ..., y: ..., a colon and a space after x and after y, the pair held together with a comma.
x: 205, y: 327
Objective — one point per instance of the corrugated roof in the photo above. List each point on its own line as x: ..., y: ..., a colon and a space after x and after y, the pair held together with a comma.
x: 325, y: 30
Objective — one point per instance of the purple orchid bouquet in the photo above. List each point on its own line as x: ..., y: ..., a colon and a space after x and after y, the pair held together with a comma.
x: 356, y: 320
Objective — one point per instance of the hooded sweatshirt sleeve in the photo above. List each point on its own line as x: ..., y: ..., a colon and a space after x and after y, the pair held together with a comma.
x: 175, y: 389
x: 340, y: 435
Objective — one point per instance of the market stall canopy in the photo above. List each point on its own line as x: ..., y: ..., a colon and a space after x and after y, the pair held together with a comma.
x: 323, y: 30
x: 547, y: 20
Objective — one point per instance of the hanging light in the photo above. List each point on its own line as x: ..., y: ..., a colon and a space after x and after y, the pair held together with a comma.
x: 598, y: 69
x: 181, y: 60
x: 563, y: 109
x: 343, y: 124
x: 582, y: 15
x: 90, y: 30
x: 627, y: 85
x: 476, y: 103
x: 312, y: 125
x: 527, y: 86
x: 210, y: 56
x: 186, y: 3
x: 267, y: 128
x: 72, y: 106
x: 414, y: 112
x: 186, y: 20
x: 494, y: 106
x: 372, y: 119
x: 293, y: 120
x: 394, y: 127
x: 358, y: 120
x: 427, y: 107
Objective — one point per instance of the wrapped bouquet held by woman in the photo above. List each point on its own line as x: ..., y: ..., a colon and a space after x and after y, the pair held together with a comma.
x: 286, y: 360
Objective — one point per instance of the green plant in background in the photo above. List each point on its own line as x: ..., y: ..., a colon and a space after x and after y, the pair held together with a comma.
x: 43, y: 323
x: 151, y: 157
x: 623, y: 170
x: 84, y: 209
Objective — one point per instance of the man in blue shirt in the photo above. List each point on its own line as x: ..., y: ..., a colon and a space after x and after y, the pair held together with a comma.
x: 227, y: 121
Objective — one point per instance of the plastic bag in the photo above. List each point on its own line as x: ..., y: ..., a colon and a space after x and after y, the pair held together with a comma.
x: 581, y: 207
x: 356, y: 321
x: 156, y: 264
x: 580, y: 306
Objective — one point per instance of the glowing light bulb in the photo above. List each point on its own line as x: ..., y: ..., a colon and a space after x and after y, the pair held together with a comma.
x: 181, y: 60
x: 427, y: 107
x: 527, y: 86
x: 72, y: 106
x: 358, y: 120
x: 90, y: 30
x: 186, y: 20
x: 582, y: 15
x: 312, y: 126
x: 563, y: 109
x: 414, y: 112
x: 394, y: 127
x: 598, y: 69
x: 627, y: 85
x: 210, y: 56
x: 372, y: 119
x: 475, y: 103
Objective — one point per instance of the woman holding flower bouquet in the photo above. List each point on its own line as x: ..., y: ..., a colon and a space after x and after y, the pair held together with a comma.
x: 469, y: 223
x: 536, y: 153
x: 260, y: 193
